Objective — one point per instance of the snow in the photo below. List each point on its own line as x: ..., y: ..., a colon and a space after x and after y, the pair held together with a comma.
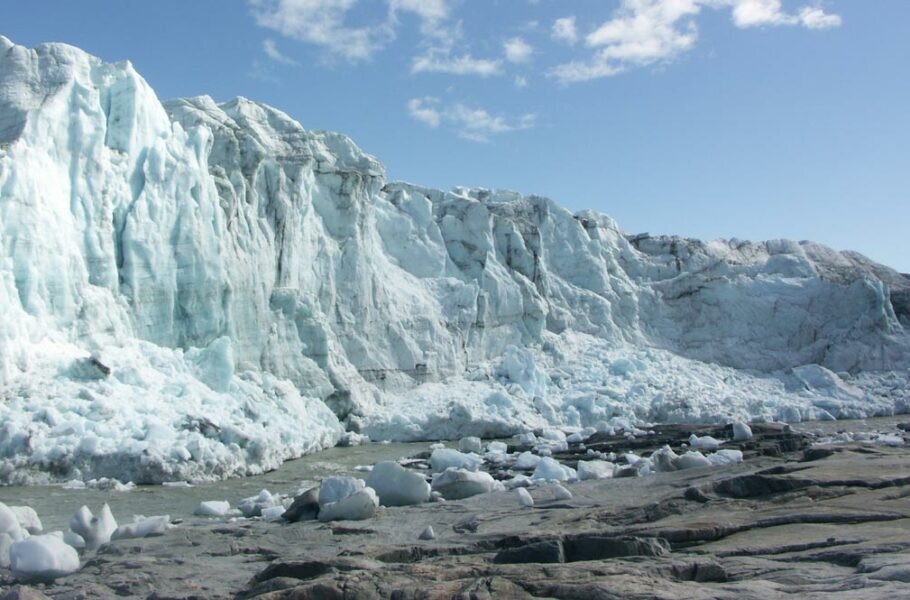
x: 455, y: 483
x: 225, y: 290
x: 42, y: 558
x: 397, y: 486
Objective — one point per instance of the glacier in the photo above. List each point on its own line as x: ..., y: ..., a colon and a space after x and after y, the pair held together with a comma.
x: 192, y: 290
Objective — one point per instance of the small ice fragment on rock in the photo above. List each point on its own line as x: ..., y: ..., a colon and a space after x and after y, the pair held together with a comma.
x: 212, y: 508
x: 741, y: 432
x: 427, y: 533
x: 42, y: 558
x: 455, y: 484
x: 143, y: 527
x: 94, y: 530
x: 561, y: 493
x: 526, y: 460
x: 691, y: 460
x: 397, y: 486
x: 524, y: 498
x: 704, y: 443
x: 358, y: 506
x: 549, y: 468
x: 595, y: 469
x: 28, y: 519
x: 273, y: 513
x: 333, y: 489
x: 443, y: 458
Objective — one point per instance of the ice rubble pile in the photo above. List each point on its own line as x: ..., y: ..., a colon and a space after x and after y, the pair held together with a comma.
x: 193, y: 290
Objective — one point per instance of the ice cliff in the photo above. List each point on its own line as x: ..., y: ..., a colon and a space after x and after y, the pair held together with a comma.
x: 191, y: 290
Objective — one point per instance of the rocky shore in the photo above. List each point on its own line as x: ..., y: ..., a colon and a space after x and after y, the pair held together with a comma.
x: 796, y: 517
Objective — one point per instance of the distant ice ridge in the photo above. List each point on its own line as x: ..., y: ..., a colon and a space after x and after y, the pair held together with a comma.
x: 193, y: 290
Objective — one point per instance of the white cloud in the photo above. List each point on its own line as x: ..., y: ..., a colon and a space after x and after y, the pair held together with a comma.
x: 517, y: 50
x: 470, y: 123
x: 564, y: 30
x: 814, y: 17
x: 324, y: 23
x: 441, y: 61
x: 424, y: 110
x: 521, y: 81
x: 646, y: 32
x: 755, y: 13
x: 271, y: 50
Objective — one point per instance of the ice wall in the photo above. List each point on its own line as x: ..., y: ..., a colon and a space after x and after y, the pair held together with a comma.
x: 194, y: 289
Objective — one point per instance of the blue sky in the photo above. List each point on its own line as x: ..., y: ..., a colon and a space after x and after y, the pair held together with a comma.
x: 754, y: 119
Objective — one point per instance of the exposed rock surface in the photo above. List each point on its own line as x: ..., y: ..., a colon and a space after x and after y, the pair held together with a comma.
x: 820, y: 522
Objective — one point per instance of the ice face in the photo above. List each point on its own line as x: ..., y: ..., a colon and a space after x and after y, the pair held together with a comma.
x: 192, y: 290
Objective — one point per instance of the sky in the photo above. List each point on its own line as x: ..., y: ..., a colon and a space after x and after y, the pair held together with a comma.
x: 749, y: 119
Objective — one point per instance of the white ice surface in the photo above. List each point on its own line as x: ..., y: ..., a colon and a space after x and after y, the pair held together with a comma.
x: 397, y: 486
x: 42, y: 558
x: 193, y: 290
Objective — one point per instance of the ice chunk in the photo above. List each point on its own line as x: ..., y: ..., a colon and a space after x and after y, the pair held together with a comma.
x: 443, y: 458
x: 357, y: 506
x: 273, y: 513
x: 397, y: 486
x: 9, y: 524
x: 94, y: 530
x: 28, y: 518
x: 254, y: 505
x: 42, y: 558
x: 455, y: 483
x: 560, y: 493
x: 333, y: 489
x: 691, y: 460
x: 550, y: 468
x: 74, y: 539
x: 427, y: 533
x: 595, y: 469
x: 725, y: 457
x: 705, y: 442
x: 213, y: 508
x: 524, y: 498
x: 497, y: 448
x: 143, y: 527
x: 527, y: 461
x: 470, y: 444
x: 741, y: 432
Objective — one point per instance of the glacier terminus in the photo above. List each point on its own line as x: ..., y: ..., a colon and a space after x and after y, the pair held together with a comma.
x: 193, y: 290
